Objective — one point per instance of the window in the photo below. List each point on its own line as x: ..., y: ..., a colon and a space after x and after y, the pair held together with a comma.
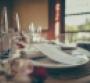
x: 77, y: 20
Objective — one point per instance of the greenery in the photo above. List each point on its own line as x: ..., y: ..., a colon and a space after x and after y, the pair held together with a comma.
x: 85, y: 27
x: 80, y: 28
x: 78, y: 32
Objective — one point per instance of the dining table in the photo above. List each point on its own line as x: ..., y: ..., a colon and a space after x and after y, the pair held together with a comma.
x: 79, y: 74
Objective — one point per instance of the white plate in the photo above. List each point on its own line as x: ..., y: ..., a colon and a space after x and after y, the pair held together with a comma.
x: 49, y: 64
x: 57, y: 65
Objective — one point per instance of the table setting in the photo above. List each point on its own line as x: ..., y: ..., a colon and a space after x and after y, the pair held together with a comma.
x: 27, y: 56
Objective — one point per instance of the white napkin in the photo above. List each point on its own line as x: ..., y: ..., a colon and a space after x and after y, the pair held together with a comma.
x: 57, y: 55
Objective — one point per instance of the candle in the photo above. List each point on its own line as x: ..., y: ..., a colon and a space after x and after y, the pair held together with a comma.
x: 6, y: 20
x: 39, y: 30
x: 57, y: 21
x: 32, y: 27
x: 17, y: 22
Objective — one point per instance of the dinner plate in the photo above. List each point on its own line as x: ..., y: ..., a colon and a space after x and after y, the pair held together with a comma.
x: 38, y: 59
x: 50, y: 64
x: 44, y: 61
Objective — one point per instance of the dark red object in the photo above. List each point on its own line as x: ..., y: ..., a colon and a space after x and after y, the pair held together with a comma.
x: 41, y: 72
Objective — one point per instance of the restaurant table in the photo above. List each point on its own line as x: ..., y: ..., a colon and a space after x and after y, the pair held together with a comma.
x: 79, y: 74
